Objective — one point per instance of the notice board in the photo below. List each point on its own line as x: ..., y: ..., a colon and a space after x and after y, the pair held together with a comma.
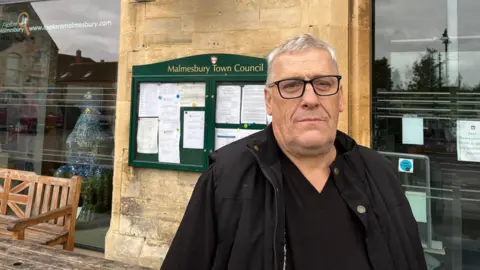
x: 184, y: 109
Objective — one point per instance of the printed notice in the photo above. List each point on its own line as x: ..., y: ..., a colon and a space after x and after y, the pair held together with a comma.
x: 192, y: 94
x: 228, y: 104
x: 193, y: 129
x: 169, y: 146
x: 253, y: 105
x: 168, y: 107
x: 224, y: 136
x: 148, y: 106
x: 147, y: 139
x: 468, y: 140
x: 412, y: 130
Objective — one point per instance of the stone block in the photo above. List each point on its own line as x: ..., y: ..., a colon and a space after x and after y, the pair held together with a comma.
x: 135, y: 58
x: 212, y: 41
x: 339, y: 12
x: 281, y: 17
x: 127, y: 18
x: 124, y: 78
x: 214, y: 6
x: 188, y: 179
x: 316, y: 13
x: 169, y: 8
x: 188, y: 23
x: 247, y: 5
x: 172, y: 38
x: 278, y: 3
x: 168, y: 53
x: 162, y: 25
x: 153, y: 253
x: 131, y: 187
x: 115, y: 221
x: 139, y: 226
x: 205, y: 22
x: 270, y: 38
x: 241, y: 20
x: 123, y: 248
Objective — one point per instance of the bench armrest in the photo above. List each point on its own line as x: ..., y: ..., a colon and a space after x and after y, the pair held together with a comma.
x: 22, y: 224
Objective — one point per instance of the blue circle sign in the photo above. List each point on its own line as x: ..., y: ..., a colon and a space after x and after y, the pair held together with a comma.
x: 405, y: 165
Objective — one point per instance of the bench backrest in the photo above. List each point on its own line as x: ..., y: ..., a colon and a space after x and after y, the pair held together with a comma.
x: 26, y: 194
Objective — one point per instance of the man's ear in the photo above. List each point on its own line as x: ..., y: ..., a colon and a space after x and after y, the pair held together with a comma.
x: 341, y: 104
x: 268, y: 100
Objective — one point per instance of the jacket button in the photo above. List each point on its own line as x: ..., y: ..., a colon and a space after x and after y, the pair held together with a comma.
x: 255, y: 147
x: 335, y: 171
x: 361, y: 209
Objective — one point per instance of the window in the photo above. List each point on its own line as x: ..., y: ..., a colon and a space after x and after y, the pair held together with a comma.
x: 13, y: 73
x: 57, y: 99
x: 426, y: 108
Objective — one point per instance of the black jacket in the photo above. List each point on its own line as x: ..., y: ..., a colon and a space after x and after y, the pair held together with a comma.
x: 235, y: 219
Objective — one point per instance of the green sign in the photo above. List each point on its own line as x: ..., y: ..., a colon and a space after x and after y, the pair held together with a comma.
x: 184, y: 109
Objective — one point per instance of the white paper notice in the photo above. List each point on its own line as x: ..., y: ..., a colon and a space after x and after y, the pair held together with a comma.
x: 228, y: 104
x: 253, y: 105
x: 412, y: 130
x: 147, y: 139
x: 468, y: 140
x: 169, y: 107
x: 225, y: 136
x: 148, y: 105
x: 193, y: 129
x: 169, y: 146
x: 192, y: 94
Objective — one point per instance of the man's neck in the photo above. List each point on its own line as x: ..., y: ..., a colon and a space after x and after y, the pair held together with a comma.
x: 322, y: 161
x: 315, y: 168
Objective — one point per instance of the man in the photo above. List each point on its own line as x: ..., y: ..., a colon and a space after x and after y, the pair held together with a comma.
x: 299, y: 194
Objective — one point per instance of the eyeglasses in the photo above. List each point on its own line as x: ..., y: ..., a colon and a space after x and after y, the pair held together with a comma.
x: 327, y: 85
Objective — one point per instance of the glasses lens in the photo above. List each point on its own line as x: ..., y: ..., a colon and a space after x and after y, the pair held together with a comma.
x: 291, y: 88
x: 326, y: 85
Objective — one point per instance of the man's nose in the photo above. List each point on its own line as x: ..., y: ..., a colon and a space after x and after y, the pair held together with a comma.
x: 309, y: 97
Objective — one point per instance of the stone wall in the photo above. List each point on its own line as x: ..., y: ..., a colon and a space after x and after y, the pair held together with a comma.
x: 149, y: 204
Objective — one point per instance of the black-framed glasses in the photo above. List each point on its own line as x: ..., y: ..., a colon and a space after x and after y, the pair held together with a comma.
x: 326, y: 85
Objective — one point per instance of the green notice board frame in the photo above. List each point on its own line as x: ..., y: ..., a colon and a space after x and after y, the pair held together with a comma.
x: 210, y: 69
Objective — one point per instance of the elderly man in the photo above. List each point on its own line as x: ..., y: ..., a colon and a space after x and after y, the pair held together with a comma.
x: 299, y: 194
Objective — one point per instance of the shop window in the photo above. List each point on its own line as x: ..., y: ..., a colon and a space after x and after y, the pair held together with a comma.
x: 57, y: 99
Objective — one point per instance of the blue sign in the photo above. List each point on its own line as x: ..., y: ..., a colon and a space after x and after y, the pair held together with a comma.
x: 405, y: 165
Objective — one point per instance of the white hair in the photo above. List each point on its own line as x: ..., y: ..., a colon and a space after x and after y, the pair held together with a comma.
x: 299, y: 44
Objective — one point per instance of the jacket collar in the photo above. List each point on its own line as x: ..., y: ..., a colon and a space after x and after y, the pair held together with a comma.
x: 266, y: 147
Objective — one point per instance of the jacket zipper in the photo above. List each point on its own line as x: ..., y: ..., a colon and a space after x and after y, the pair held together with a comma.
x: 276, y: 210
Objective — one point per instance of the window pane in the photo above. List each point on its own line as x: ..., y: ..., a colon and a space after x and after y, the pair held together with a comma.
x: 57, y: 98
x: 426, y: 105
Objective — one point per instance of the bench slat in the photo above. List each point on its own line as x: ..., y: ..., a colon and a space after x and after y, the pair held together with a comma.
x: 46, y: 199
x: 54, y: 203
x: 38, y: 200
x: 63, y: 202
x: 6, y: 187
x: 31, y: 194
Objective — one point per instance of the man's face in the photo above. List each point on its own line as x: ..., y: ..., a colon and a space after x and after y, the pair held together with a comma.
x: 306, y: 125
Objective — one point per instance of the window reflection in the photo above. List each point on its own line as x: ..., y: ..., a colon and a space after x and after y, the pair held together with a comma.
x: 58, y: 73
x: 426, y: 63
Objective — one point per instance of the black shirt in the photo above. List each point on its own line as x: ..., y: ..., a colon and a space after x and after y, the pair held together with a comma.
x: 321, y: 231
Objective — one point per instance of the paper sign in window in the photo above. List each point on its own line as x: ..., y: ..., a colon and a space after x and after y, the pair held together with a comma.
x: 412, y: 130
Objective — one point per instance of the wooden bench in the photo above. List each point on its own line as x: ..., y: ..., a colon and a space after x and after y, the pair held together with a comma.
x: 37, y: 208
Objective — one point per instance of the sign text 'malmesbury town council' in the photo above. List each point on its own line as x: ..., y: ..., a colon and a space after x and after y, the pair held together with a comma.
x: 215, y: 68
